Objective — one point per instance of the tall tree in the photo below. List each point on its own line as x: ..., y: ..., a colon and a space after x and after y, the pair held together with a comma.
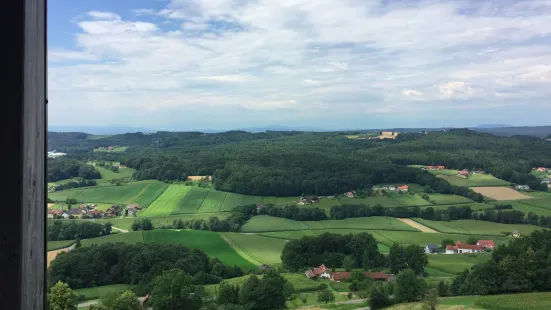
x: 61, y: 297
x: 174, y: 290
x: 409, y: 287
x: 127, y: 301
x: 379, y: 297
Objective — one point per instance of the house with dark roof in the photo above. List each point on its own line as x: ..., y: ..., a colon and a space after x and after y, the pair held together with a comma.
x: 431, y: 248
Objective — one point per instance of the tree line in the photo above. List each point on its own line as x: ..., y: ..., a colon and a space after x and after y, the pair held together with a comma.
x: 71, y: 230
x: 139, y: 264
x: 67, y: 168
x: 75, y: 184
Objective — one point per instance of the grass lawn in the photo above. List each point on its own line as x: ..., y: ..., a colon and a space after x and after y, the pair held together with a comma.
x: 107, y: 174
x: 263, y: 223
x: 456, y: 263
x: 129, y: 238
x: 261, y: 249
x: 213, y: 202
x: 376, y: 222
x: 142, y: 193
x: 474, y: 180
x: 437, y: 273
x: 544, y: 203
x: 233, y: 200
x: 97, y: 292
x: 523, y: 206
x: 442, y: 199
x: 474, y: 227
x: 211, y: 242
x: 56, y: 245
x: 118, y: 149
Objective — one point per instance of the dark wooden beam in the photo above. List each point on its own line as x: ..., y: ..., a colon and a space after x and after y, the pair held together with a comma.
x: 23, y: 130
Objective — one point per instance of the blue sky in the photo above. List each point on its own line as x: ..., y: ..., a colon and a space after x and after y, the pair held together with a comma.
x: 222, y: 64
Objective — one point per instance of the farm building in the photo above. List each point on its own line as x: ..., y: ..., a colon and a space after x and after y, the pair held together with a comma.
x: 322, y: 271
x: 307, y: 200
x: 403, y: 188
x: 515, y: 233
x: 431, y: 248
x: 486, y: 244
x: 377, y: 276
x: 463, y: 173
x: 390, y: 188
x: 460, y: 248
x: 349, y: 194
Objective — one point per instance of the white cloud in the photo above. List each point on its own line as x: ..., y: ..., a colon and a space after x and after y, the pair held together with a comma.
x: 343, y: 55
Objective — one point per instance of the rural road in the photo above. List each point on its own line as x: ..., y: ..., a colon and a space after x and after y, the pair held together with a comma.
x: 53, y: 254
x: 119, y: 229
x: 419, y: 226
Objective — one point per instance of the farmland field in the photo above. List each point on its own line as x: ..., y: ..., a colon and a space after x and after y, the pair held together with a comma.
x: 213, y: 202
x: 99, y: 291
x: 448, y: 172
x: 441, y: 199
x: 56, y: 245
x: 299, y: 281
x: 234, y: 200
x: 168, y: 202
x: 474, y: 180
x: 456, y: 263
x: 539, y: 194
x: 501, y: 193
x: 262, y: 223
x: 262, y: 249
x: 142, y: 193
x: 211, y: 242
x: 371, y: 223
x: 527, y: 301
x: 544, y: 203
x: 474, y: 227
x: 280, y: 200
x: 107, y: 174
x: 192, y: 201
x: 525, y: 206
x: 129, y: 238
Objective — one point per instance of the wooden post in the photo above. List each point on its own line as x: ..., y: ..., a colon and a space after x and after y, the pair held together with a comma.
x: 23, y: 130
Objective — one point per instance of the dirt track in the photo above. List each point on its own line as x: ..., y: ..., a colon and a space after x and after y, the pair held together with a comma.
x: 421, y: 227
x: 53, y: 254
x: 51, y: 205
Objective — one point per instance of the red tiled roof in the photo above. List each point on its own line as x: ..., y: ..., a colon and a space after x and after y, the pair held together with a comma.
x: 451, y: 247
x: 337, y: 276
x: 56, y: 212
x: 486, y: 243
x: 376, y: 275
x: 320, y: 270
x: 460, y: 245
x: 403, y: 187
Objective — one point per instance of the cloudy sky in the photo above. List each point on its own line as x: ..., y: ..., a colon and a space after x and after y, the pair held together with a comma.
x: 221, y: 64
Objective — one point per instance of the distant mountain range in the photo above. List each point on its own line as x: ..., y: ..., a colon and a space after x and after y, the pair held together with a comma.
x: 495, y: 129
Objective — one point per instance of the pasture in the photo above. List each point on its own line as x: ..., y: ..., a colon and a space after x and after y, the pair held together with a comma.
x: 500, y: 193
x: 448, y: 172
x: 233, y: 200
x: 211, y: 242
x: 367, y: 223
x: 213, y: 202
x: 107, y: 174
x: 128, y: 238
x: 474, y: 227
x: 442, y: 199
x: 544, y: 203
x: 169, y: 202
x: 474, y: 180
x: 263, y: 223
x: 526, y: 207
x: 527, y: 301
x: 261, y: 249
x: 539, y: 194
x: 56, y: 245
x: 142, y: 193
x: 99, y: 291
x: 457, y: 263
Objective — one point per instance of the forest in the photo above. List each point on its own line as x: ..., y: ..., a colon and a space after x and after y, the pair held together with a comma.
x: 67, y: 168
x: 140, y: 264
x: 299, y: 163
x: 70, y: 230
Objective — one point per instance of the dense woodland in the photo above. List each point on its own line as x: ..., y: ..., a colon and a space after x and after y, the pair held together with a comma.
x: 71, y: 230
x: 119, y: 263
x: 524, y: 265
x: 66, y: 168
x: 297, y: 163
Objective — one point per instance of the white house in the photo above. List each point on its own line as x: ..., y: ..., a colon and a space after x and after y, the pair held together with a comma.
x: 522, y: 187
x: 65, y: 215
x: 460, y: 248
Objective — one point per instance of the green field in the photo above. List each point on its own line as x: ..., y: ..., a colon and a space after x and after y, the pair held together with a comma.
x: 455, y: 264
x: 522, y: 206
x: 474, y: 227
x: 474, y: 180
x: 476, y: 206
x: 107, y: 174
x: 544, y: 203
x: 448, y: 172
x: 213, y: 202
x: 211, y: 242
x: 118, y: 149
x: 280, y: 200
x: 299, y: 281
x: 56, y: 245
x: 261, y: 249
x: 539, y: 194
x: 233, y: 200
x: 442, y: 199
x: 528, y: 301
x: 262, y: 223
x: 99, y: 291
x: 169, y: 201
x: 129, y: 238
x: 142, y: 193
x: 371, y: 223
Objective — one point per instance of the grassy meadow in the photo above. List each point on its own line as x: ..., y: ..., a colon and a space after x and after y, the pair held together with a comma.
x: 211, y: 242
x: 99, y: 291
x: 129, y: 238
x: 442, y: 199
x: 474, y: 180
x: 261, y: 249
x: 474, y: 227
x: 56, y: 245
x: 142, y: 193
x: 456, y: 264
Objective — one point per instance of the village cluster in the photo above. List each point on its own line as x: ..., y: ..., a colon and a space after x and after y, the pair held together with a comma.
x: 323, y: 272
x: 91, y: 211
